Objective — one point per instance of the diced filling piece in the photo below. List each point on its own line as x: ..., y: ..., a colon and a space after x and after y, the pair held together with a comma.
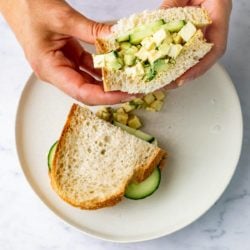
x: 124, y: 114
x: 145, y: 51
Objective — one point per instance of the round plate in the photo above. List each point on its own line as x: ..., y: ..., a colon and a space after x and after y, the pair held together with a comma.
x: 201, y: 128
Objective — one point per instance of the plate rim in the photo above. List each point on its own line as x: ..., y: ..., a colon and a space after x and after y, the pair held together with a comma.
x: 109, y: 238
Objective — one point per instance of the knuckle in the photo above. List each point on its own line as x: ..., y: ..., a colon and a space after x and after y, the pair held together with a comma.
x: 82, y: 99
x: 96, y: 29
x: 38, y: 72
x: 35, y: 62
x: 37, y: 66
x: 82, y: 96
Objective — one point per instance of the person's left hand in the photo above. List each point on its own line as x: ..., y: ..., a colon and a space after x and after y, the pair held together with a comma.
x: 49, y: 31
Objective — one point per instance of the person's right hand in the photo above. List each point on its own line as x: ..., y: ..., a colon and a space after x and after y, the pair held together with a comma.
x: 48, y: 32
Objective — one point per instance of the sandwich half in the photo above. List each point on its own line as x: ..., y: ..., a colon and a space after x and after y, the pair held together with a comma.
x: 149, y: 50
x: 95, y: 161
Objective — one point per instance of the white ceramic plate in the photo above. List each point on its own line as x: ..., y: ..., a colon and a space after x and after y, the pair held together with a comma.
x: 201, y: 128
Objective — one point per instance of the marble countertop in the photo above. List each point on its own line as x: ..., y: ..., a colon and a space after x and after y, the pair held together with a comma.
x: 25, y: 222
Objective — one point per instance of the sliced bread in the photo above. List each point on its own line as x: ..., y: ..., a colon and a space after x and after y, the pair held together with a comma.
x: 95, y: 161
x: 192, y: 52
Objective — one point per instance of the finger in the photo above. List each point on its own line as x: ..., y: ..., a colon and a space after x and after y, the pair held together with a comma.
x: 199, y: 69
x: 73, y: 50
x: 174, y: 3
x: 71, y: 22
x: 170, y: 86
x: 217, y: 32
x: 86, y: 29
x: 57, y: 69
x: 95, y: 95
x: 82, y: 87
x: 88, y: 77
x: 81, y: 58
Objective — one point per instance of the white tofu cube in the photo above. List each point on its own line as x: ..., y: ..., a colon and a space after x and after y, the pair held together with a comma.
x: 164, y: 49
x: 159, y: 36
x: 154, y: 55
x: 139, y: 69
x: 174, y: 50
x: 148, y: 43
x: 99, y: 61
x: 135, y: 71
x: 142, y: 54
x: 187, y: 31
x: 130, y: 71
x: 169, y: 38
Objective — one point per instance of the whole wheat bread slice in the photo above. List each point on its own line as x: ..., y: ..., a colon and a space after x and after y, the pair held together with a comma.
x: 95, y: 161
x: 192, y: 52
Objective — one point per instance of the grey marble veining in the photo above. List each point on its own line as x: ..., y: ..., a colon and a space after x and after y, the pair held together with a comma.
x: 25, y: 223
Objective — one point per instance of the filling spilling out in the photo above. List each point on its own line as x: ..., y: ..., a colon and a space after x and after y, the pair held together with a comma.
x: 145, y: 51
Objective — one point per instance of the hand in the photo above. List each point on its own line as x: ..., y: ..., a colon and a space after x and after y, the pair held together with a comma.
x: 48, y: 32
x: 219, y: 11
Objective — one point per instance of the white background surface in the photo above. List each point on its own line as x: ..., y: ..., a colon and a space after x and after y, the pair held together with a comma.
x: 25, y: 223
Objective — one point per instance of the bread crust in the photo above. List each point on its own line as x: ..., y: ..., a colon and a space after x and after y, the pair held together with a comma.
x: 145, y: 171
x: 58, y: 148
x: 102, y: 47
x: 142, y: 173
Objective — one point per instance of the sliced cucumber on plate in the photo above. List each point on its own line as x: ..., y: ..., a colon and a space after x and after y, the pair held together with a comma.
x: 51, y: 154
x: 145, y: 188
x: 135, y: 132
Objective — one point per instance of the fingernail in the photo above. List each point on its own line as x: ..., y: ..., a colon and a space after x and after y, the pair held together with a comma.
x: 128, y: 99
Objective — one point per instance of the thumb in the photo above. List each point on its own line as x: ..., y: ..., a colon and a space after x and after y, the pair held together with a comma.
x: 79, y: 26
x: 174, y: 3
x: 88, y: 30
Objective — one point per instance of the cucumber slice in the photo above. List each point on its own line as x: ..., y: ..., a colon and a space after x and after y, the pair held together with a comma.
x: 135, y: 132
x: 51, y: 154
x: 174, y: 26
x: 144, y: 189
x: 160, y: 65
x: 123, y: 38
x: 138, y: 34
x: 155, y: 142
x: 114, y: 65
x: 125, y: 45
x: 131, y: 50
x: 111, y: 56
x: 129, y: 60
x: 150, y: 73
x: 144, y: 136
